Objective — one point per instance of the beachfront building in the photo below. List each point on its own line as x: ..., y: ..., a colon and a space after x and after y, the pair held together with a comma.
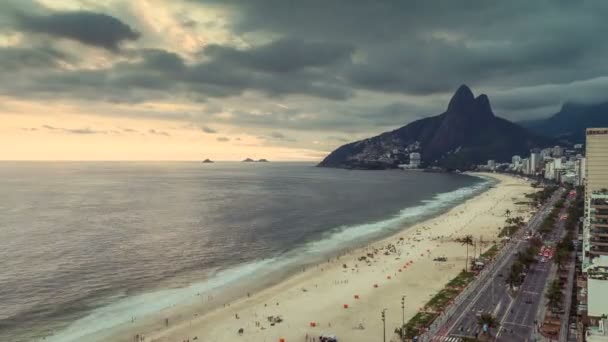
x: 557, y: 152
x: 580, y: 166
x: 597, y: 303
x: 535, y: 159
x: 597, y: 160
x: 415, y: 159
x: 595, y: 230
x: 491, y: 164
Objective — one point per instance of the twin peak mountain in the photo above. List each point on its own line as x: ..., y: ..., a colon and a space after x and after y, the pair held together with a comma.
x: 466, y: 134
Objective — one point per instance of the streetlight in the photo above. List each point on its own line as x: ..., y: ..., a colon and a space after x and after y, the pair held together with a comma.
x: 384, y: 324
x: 403, y: 318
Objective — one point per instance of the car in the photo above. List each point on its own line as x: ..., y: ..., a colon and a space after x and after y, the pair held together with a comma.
x: 528, y: 301
x: 543, y: 260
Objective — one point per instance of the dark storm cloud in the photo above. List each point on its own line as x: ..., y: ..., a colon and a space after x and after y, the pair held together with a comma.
x: 528, y: 56
x: 28, y: 58
x: 86, y: 27
x: 283, y: 55
x: 427, y: 47
x: 162, y: 74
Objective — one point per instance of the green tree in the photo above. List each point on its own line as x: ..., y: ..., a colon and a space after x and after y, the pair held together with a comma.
x: 554, y: 295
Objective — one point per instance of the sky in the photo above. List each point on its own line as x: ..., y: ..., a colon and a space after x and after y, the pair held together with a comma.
x: 276, y: 79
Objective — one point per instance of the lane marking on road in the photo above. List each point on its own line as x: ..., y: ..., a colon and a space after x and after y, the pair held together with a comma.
x: 520, y: 325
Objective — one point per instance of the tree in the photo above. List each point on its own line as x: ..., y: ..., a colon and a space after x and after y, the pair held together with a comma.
x: 554, y: 295
x: 507, y: 213
x: 488, y: 320
x: 560, y: 257
x: 467, y: 241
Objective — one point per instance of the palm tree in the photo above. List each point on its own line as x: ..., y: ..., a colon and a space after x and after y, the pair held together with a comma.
x: 507, y: 213
x: 467, y: 241
x: 487, y: 320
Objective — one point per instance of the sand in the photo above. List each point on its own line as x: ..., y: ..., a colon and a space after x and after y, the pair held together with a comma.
x: 319, y: 294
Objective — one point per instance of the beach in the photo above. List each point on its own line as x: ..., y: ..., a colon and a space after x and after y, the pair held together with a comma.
x: 345, y: 295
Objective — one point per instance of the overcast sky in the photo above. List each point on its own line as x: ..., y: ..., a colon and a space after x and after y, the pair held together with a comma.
x: 276, y: 79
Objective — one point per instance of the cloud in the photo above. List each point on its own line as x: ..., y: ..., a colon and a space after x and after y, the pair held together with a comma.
x: 208, y: 129
x: 283, y: 55
x: 90, y: 28
x: 156, y: 132
x: 130, y: 130
x: 85, y: 130
x: 223, y: 139
x: 338, y: 139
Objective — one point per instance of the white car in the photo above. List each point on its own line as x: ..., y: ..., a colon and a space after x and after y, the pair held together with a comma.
x: 543, y: 259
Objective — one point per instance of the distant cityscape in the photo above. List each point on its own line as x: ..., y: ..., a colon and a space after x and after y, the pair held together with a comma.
x: 556, y: 164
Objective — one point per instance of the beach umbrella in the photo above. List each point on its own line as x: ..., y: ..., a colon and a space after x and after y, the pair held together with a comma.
x: 376, y: 285
x: 313, y: 324
x: 345, y: 306
x: 388, y: 277
x: 399, y: 270
x: 356, y: 296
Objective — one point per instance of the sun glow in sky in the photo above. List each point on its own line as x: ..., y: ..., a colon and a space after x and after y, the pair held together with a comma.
x: 275, y: 79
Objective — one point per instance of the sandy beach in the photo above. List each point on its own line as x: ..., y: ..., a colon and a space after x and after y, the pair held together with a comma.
x: 345, y: 295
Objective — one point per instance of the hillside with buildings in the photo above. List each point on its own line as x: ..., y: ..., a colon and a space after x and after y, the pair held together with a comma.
x: 466, y: 134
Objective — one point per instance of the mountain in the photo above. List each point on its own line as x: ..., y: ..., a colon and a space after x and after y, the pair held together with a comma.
x: 466, y: 134
x: 570, y: 123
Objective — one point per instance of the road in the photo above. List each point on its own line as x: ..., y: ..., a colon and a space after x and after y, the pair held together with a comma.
x: 517, y: 314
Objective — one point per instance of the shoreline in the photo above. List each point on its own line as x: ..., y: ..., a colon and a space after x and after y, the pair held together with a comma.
x: 414, y: 237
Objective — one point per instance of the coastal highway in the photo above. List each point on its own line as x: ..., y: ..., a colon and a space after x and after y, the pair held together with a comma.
x: 516, y: 315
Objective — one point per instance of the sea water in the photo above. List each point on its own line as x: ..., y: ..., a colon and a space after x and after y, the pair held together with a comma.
x: 86, y: 247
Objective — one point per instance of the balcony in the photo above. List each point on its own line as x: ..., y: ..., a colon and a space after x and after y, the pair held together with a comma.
x: 599, y: 225
x: 599, y: 206
x: 598, y: 252
x: 597, y: 242
x: 599, y: 232
x: 603, y: 216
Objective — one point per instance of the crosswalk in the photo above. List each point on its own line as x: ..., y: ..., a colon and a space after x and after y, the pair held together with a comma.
x: 446, y: 339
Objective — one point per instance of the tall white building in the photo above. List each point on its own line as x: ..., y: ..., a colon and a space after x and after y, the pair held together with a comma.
x: 580, y: 171
x: 557, y: 152
x: 535, y: 159
x: 415, y: 159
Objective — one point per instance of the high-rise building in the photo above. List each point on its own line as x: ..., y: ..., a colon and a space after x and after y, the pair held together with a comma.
x: 415, y: 159
x: 491, y: 164
x: 535, y: 159
x: 515, y: 160
x: 580, y: 171
x: 557, y: 152
x: 597, y: 160
x: 595, y: 226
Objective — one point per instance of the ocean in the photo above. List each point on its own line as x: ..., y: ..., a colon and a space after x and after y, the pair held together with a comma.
x: 87, y: 246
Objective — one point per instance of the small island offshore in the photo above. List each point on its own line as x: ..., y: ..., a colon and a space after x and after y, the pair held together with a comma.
x: 208, y: 161
x: 249, y: 160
